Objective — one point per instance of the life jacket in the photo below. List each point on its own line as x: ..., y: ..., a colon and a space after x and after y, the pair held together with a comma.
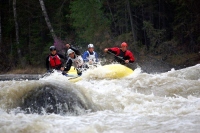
x: 123, y: 55
x: 77, y: 61
x: 54, y: 61
x: 91, y: 56
x: 127, y: 55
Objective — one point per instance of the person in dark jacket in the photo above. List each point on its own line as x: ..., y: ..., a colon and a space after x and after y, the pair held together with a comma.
x: 122, y: 55
x: 67, y: 46
x: 53, y: 60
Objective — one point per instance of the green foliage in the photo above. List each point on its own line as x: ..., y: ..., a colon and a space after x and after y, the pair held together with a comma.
x: 156, y: 36
x: 102, y: 22
x: 186, y: 21
x: 88, y: 19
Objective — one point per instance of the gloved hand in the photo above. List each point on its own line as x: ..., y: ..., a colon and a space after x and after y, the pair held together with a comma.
x: 64, y: 73
x: 90, y: 62
x: 79, y: 72
x: 49, y: 71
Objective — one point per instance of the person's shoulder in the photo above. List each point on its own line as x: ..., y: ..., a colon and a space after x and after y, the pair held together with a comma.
x: 59, y: 54
x: 115, y: 47
x: 48, y: 56
x: 86, y: 52
x: 129, y: 51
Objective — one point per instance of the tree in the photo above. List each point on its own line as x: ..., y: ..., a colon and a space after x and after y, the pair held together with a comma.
x: 47, y: 20
x: 17, y: 33
x: 88, y: 19
x: 186, y: 24
x: 154, y: 35
x: 0, y: 33
x: 131, y: 21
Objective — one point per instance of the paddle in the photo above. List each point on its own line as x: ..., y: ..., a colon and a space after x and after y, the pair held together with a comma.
x: 121, y: 58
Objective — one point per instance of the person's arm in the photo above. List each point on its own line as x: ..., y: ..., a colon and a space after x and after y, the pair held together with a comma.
x: 47, y: 63
x: 61, y: 56
x: 77, y: 52
x: 85, y: 55
x: 131, y: 57
x: 68, y: 65
x: 96, y: 57
x: 113, y: 50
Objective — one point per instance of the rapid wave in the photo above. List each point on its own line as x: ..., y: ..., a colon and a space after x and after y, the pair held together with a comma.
x: 140, y: 102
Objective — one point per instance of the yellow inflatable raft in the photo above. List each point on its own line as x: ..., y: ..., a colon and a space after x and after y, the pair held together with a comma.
x: 111, y: 71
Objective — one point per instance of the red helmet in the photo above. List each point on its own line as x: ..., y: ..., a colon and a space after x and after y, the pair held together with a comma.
x: 124, y: 44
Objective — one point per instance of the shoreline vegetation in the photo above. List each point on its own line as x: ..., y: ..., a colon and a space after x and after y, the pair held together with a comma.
x: 147, y: 62
x: 161, y: 34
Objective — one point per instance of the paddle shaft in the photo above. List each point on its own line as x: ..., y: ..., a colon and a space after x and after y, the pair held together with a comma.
x: 132, y: 64
x: 115, y: 55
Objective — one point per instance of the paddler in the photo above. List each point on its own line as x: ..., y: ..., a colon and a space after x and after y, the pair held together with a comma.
x: 90, y: 56
x: 74, y: 59
x: 122, y: 55
x: 53, y: 60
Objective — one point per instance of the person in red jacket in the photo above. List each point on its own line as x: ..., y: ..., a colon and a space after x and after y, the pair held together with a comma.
x: 122, y: 55
x: 53, y: 61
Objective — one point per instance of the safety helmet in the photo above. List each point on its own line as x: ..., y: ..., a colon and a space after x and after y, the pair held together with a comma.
x: 69, y: 51
x: 90, y: 46
x: 52, y: 48
x: 124, y: 44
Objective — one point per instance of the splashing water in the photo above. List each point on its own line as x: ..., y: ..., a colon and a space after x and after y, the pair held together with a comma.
x: 140, y: 102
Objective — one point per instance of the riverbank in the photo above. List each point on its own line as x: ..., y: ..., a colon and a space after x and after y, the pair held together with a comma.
x: 150, y: 63
x: 7, y: 77
x: 26, y: 70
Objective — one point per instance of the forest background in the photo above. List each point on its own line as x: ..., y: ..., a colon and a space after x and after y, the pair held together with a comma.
x: 158, y: 32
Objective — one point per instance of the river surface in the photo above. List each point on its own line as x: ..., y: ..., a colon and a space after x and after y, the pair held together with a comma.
x: 141, y: 102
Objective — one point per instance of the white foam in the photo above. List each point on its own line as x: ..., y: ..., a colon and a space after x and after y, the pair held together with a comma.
x: 140, y: 102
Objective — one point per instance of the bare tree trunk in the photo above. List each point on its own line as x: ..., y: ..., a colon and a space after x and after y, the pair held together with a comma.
x: 0, y: 33
x: 17, y: 32
x: 131, y: 19
x: 60, y: 22
x: 111, y: 13
x: 29, y: 34
x: 47, y: 20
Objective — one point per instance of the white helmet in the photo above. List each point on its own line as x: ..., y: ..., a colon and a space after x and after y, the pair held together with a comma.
x: 90, y: 46
x: 69, y: 51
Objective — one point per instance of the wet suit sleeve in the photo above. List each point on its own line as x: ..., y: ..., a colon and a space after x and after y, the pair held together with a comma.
x: 47, y: 63
x: 66, y: 56
x: 77, y: 52
x: 61, y: 56
x: 68, y: 65
x: 85, y: 55
x: 96, y: 57
x: 114, y: 50
x: 131, y: 57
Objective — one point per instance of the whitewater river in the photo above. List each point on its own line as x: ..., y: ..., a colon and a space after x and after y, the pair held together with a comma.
x: 140, y: 102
